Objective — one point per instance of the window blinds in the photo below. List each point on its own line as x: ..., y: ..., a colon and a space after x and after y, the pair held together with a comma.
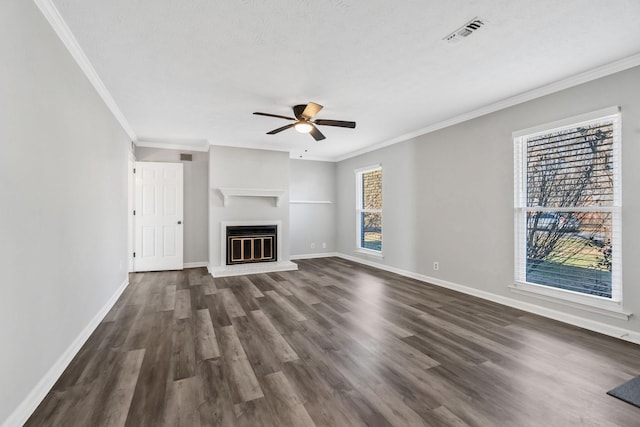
x: 567, y: 207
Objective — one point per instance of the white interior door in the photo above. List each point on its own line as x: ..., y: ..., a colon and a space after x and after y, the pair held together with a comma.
x: 158, y: 217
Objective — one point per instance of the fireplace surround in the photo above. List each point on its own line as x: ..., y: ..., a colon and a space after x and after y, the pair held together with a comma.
x: 280, y: 262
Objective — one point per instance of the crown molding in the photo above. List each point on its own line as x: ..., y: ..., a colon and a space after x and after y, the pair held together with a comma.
x: 58, y: 24
x: 56, y: 21
x: 295, y: 156
x: 584, y: 77
x: 257, y: 146
x: 202, y: 146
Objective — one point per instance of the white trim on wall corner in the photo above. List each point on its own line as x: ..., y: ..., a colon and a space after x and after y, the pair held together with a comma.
x: 195, y: 264
x: 311, y: 256
x: 22, y: 413
x: 584, y: 77
x: 58, y: 24
x: 592, y: 325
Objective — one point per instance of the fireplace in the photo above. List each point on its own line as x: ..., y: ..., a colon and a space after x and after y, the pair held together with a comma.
x: 251, y: 244
x: 265, y: 251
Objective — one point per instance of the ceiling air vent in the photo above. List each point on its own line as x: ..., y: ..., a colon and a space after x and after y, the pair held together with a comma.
x: 465, y: 31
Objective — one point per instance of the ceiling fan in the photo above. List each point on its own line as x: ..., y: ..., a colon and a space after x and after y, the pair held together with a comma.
x: 304, y: 122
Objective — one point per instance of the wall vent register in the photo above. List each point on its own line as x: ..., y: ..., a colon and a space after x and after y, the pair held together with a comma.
x: 251, y: 244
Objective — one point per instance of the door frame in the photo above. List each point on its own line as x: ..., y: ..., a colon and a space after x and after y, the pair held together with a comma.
x: 131, y: 202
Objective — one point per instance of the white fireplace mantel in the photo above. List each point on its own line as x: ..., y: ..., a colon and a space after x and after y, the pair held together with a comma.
x: 228, y: 192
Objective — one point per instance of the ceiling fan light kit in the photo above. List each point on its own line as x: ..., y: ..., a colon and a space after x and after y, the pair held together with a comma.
x: 303, y: 127
x: 304, y: 123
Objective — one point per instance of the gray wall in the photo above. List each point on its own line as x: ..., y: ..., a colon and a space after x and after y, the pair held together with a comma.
x: 448, y: 195
x: 196, y: 198
x: 312, y: 181
x: 63, y: 192
x: 247, y: 168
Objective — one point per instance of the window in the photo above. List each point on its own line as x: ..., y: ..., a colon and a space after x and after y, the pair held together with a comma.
x: 567, y: 208
x: 369, y: 208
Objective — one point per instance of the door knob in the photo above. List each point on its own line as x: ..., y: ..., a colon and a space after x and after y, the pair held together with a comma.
x: 179, y: 222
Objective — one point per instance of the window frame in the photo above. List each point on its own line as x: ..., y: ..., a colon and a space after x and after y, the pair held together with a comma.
x: 603, y: 305
x: 359, y: 211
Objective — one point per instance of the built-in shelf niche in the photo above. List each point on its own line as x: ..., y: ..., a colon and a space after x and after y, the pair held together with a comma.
x: 228, y: 193
x: 310, y: 202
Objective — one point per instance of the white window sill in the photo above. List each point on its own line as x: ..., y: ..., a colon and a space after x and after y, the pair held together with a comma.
x: 591, y: 303
x: 369, y: 252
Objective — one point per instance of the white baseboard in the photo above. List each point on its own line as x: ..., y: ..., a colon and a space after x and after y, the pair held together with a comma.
x: 22, y: 413
x: 318, y: 255
x: 592, y: 325
x: 195, y: 264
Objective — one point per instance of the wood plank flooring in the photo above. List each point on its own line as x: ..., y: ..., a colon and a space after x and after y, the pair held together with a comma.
x: 333, y: 344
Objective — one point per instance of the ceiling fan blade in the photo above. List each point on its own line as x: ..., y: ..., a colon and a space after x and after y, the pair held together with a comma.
x: 297, y: 111
x: 273, y: 132
x: 338, y: 123
x: 274, y: 115
x: 311, y: 110
x: 316, y: 134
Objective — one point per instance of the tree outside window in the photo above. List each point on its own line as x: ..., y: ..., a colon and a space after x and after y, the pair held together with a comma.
x: 569, y: 207
x: 369, y: 208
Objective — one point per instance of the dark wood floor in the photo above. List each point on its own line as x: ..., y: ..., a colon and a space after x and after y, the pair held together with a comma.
x: 333, y: 344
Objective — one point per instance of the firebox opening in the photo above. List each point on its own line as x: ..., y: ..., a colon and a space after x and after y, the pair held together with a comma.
x: 251, y: 244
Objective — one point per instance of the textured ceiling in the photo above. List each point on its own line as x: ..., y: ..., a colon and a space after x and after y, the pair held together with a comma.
x: 197, y: 69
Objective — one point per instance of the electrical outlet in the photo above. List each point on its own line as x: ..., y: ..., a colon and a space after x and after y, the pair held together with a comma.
x: 324, y: 245
x: 313, y: 246
x: 436, y: 265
